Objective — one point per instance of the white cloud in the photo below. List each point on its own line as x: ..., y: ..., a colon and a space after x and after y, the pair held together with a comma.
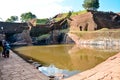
x: 41, y: 8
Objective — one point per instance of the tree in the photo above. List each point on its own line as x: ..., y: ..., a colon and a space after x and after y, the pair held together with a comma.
x: 27, y: 16
x: 91, y: 4
x: 12, y: 19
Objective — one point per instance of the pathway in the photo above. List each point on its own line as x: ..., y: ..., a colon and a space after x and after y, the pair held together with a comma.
x: 15, y: 68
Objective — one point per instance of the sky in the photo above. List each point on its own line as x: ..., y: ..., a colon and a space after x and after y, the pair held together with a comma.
x: 49, y: 8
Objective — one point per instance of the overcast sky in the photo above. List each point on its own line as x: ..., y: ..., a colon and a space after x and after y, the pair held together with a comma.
x: 49, y: 8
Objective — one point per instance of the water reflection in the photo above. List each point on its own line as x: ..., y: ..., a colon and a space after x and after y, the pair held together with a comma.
x: 85, y: 57
x: 109, y: 47
x: 70, y: 57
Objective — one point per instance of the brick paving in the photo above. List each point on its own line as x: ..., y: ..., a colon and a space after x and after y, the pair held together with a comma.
x: 15, y: 68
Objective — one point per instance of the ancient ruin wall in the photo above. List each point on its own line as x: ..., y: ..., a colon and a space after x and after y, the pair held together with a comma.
x: 82, y: 22
x: 108, y: 20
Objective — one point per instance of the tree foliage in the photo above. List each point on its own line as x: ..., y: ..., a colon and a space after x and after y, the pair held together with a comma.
x: 27, y: 16
x: 91, y: 4
x: 12, y: 19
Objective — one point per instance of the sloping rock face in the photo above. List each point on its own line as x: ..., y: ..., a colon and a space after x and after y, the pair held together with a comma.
x: 95, y: 20
x: 108, y: 70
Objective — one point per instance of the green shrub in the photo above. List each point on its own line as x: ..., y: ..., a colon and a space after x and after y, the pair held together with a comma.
x: 72, y: 14
x: 42, y: 21
x: 45, y: 36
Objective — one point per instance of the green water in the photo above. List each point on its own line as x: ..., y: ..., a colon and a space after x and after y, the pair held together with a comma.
x: 68, y: 57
